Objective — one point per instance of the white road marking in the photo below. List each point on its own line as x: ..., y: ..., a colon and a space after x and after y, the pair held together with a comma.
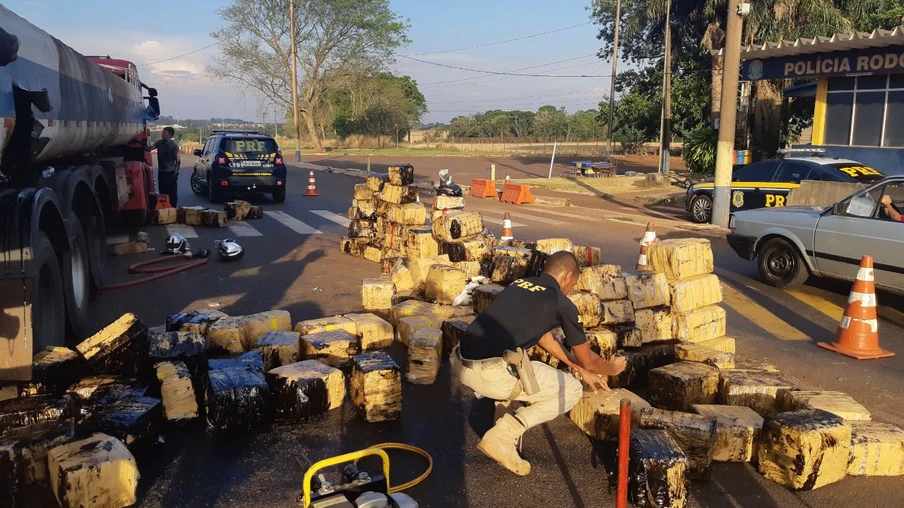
x: 182, y: 229
x: 493, y: 220
x: 334, y: 217
x: 242, y: 228
x: 117, y: 239
x: 531, y: 217
x: 293, y: 223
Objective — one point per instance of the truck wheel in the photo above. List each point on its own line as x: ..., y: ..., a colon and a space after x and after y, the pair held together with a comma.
x: 780, y: 265
x: 279, y: 195
x: 76, y: 278
x: 702, y: 209
x: 96, y: 240
x: 48, y: 311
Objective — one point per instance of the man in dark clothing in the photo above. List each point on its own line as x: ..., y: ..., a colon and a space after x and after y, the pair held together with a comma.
x: 167, y: 164
x: 523, y: 316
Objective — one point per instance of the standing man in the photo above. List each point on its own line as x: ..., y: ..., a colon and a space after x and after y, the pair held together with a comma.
x: 167, y: 164
x: 523, y: 316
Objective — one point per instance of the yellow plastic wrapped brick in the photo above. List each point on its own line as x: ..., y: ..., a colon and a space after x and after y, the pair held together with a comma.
x: 724, y: 344
x: 373, y: 254
x: 877, y: 449
x: 691, y: 352
x: 603, y: 342
x: 376, y: 294
x: 605, y: 281
x: 589, y: 308
x: 375, y: 387
x: 509, y: 264
x: 588, y: 256
x: 399, y: 194
x: 458, y: 226
x: 226, y: 334
x: 696, y: 292
x: 698, y: 325
x: 335, y: 348
x: 737, y: 431
x: 374, y: 331
x: 412, y: 214
x: 444, y: 283
x: 680, y: 385
x: 760, y: 391
x: 401, y: 280
x: 374, y: 183
x: 597, y: 414
x: 326, y: 324
x: 681, y: 258
x: 647, y: 289
x: 176, y: 391
x: 420, y: 244
x: 408, y: 326
x: 654, y: 324
x: 93, y: 472
x: 448, y: 203
x: 837, y: 403
x: 254, y: 326
x: 617, y: 312
x: 484, y: 295
x: 470, y: 268
x: 424, y: 356
x: 421, y: 267
x: 550, y: 246
x: 363, y: 192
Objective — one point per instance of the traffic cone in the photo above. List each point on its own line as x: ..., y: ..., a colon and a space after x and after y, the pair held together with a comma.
x: 507, y: 228
x: 649, y: 238
x: 858, y: 332
x: 508, y: 179
x: 312, y: 186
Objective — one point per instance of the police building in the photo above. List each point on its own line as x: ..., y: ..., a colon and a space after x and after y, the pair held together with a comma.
x: 858, y: 85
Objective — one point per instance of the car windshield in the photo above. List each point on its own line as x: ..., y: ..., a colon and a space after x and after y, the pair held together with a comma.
x: 855, y: 172
x: 249, y: 146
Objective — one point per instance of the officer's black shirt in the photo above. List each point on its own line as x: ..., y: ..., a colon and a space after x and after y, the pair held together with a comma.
x: 520, y: 316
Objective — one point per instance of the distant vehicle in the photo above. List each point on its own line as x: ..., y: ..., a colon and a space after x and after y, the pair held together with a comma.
x: 239, y: 162
x: 767, y: 183
x: 792, y: 243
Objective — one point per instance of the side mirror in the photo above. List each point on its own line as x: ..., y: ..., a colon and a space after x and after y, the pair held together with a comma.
x: 197, y: 152
x: 839, y: 208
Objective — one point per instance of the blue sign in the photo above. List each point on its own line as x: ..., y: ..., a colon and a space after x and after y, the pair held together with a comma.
x: 886, y: 60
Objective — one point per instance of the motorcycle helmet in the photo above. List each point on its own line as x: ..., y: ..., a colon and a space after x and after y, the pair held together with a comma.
x: 176, y: 244
x: 229, y: 250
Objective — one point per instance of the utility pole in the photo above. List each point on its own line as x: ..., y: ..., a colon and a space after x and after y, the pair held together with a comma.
x: 295, y: 81
x: 728, y: 113
x: 666, y: 133
x: 612, y: 80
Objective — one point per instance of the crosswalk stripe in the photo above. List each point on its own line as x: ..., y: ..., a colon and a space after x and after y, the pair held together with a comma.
x: 334, y: 217
x: 531, y: 217
x: 759, y: 315
x: 293, y: 223
x: 242, y: 228
x: 569, y: 215
x: 182, y: 229
x: 493, y: 220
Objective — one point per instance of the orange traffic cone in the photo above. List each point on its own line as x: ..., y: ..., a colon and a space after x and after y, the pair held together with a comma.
x: 858, y: 332
x: 507, y: 228
x: 312, y: 186
x: 649, y: 238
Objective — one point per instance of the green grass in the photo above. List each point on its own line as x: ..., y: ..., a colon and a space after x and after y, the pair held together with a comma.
x: 590, y: 186
x: 408, y: 152
x: 624, y: 219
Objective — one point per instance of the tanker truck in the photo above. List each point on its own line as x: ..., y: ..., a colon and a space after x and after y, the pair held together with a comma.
x: 72, y: 163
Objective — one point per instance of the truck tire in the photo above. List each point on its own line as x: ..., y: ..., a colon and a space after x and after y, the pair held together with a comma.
x: 48, y: 303
x: 95, y: 230
x: 780, y: 264
x: 76, y: 277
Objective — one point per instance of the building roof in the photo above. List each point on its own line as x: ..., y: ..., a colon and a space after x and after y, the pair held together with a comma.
x: 878, y: 38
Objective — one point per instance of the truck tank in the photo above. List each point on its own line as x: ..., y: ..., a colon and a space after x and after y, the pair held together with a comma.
x: 55, y: 103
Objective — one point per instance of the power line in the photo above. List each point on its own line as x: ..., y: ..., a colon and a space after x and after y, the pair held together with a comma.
x: 509, y: 99
x: 499, y: 42
x: 497, y: 73
x: 515, y: 70
x: 180, y: 56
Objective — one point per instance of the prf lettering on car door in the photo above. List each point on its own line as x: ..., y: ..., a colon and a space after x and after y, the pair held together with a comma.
x: 775, y: 200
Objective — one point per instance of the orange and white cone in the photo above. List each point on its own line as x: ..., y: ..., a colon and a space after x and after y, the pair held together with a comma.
x: 858, y: 332
x: 507, y: 228
x: 312, y: 185
x: 508, y: 179
x: 649, y: 238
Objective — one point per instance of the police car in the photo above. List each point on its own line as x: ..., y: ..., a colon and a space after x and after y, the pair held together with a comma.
x: 237, y: 162
x: 767, y: 183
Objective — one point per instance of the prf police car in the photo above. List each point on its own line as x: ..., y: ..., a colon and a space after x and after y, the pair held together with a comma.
x: 767, y: 183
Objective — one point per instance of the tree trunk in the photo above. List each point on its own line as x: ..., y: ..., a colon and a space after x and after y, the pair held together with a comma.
x: 312, y: 127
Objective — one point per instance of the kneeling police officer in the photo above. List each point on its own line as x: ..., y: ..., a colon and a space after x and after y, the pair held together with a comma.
x: 490, y: 359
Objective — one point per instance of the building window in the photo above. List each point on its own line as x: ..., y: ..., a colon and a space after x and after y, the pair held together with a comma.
x: 865, y: 111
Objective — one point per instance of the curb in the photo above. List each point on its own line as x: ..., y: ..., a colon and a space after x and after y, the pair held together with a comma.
x: 551, y: 201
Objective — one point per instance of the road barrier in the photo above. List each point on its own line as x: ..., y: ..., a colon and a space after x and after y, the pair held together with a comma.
x: 516, y: 194
x: 483, y: 188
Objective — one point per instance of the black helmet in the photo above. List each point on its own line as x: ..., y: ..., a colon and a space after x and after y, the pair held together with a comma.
x: 229, y: 250
x: 176, y: 244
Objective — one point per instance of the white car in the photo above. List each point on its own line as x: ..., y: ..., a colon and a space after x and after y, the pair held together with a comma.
x: 792, y: 243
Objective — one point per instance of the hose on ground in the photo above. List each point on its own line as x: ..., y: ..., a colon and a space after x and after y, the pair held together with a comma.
x: 159, y: 272
x: 413, y: 449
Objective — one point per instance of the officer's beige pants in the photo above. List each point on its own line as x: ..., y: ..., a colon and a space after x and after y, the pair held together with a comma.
x: 559, y: 391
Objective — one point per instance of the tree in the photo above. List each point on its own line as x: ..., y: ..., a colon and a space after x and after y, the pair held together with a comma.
x: 336, y: 40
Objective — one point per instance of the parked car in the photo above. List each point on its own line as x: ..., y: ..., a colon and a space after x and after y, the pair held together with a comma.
x: 239, y: 162
x: 767, y: 183
x: 790, y: 244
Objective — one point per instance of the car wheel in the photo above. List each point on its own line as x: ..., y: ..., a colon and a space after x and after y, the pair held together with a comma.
x: 197, y: 185
x: 279, y: 195
x: 213, y: 194
x: 781, y: 265
x: 702, y: 209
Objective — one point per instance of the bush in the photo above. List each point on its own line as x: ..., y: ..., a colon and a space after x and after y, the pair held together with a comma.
x: 631, y: 139
x: 699, y: 151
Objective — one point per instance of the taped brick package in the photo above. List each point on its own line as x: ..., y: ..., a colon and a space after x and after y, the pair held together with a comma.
x: 408, y: 326
x: 458, y: 226
x: 444, y: 283
x: 605, y: 281
x: 326, y: 324
x: 356, y: 213
x: 197, y: 321
x: 185, y: 346
x: 550, y: 246
x: 254, y: 326
x: 647, y: 289
x: 53, y: 370
x: 877, y: 449
x: 424, y: 356
x: 27, y: 447
x: 602, y: 342
x: 617, y: 312
x: 118, y: 348
x: 471, y: 269
x: 448, y: 202
x: 374, y: 183
x: 454, y: 331
x: 166, y: 216
x: 484, y: 295
x: 362, y: 191
x: 278, y: 348
x: 654, y: 324
x: 588, y: 256
x: 20, y: 412
x: 759, y: 391
x: 376, y: 294
x: 373, y: 254
x: 236, y: 394
x: 410, y: 308
x: 305, y: 389
x: 236, y: 210
x: 412, y: 214
x: 420, y: 244
x: 657, y: 470
x: 805, y: 449
x: 226, y: 335
x: 699, y: 353
x: 639, y: 362
x: 694, y: 434
x: 837, y: 403
x: 399, y: 194
x: 214, y: 218
x: 680, y: 258
x: 724, y: 344
x: 698, y: 325
x: 589, y: 308
x: 421, y: 267
x: 681, y: 385
x: 696, y: 292
x: 509, y: 264
x: 626, y: 335
x: 335, y: 348
x: 362, y: 228
x: 88, y: 472
x: 478, y: 249
x: 597, y: 414
x: 137, y: 421
x: 402, y: 174
x: 737, y: 431
x: 376, y: 387
x: 176, y: 391
x: 373, y: 331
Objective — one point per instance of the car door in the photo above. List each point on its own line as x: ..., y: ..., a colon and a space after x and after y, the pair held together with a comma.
x: 203, y: 163
x: 842, y: 239
x: 788, y: 176
x: 748, y: 182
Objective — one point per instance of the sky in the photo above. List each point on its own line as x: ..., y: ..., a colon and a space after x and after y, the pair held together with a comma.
x: 163, y: 30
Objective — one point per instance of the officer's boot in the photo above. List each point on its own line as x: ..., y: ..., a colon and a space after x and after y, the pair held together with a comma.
x: 499, y: 444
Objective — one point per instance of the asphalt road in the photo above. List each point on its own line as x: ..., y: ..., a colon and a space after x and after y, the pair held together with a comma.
x: 307, y: 275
